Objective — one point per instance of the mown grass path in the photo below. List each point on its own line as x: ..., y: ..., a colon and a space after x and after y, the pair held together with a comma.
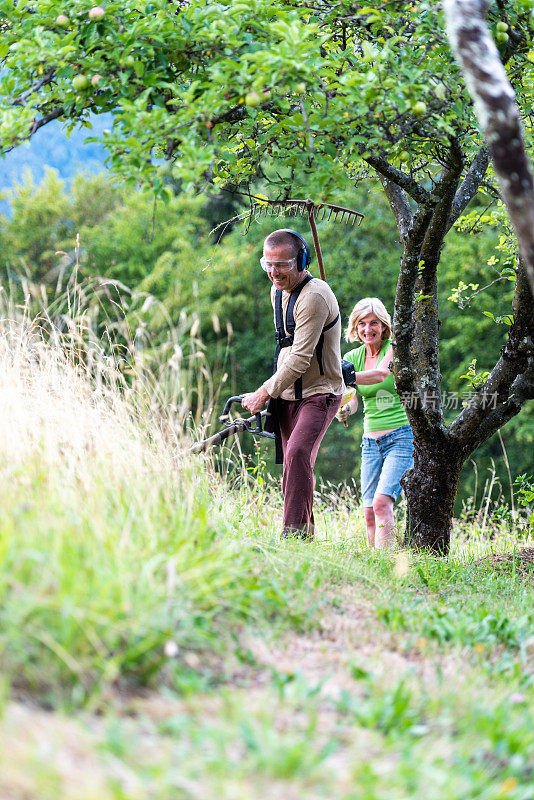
x: 347, y: 708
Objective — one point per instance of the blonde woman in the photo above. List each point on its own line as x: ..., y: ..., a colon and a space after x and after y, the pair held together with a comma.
x: 387, y: 445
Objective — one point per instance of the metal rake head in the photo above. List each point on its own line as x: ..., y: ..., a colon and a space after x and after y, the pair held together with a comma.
x: 306, y: 208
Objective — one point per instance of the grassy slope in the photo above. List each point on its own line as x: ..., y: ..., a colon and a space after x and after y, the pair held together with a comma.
x: 158, y: 641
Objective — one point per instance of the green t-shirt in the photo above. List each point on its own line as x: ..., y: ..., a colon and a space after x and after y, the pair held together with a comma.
x: 382, y: 408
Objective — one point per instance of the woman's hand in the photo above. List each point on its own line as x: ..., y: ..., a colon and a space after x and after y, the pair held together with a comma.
x: 344, y: 413
x: 347, y: 409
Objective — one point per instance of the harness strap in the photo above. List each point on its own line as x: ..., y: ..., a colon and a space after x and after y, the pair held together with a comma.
x: 285, y: 334
x: 320, y: 343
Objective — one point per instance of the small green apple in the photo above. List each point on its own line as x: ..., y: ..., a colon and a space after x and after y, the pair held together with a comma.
x: 80, y: 82
x: 95, y: 80
x: 62, y: 20
x: 502, y: 26
x: 419, y: 108
x: 96, y: 13
x: 252, y: 99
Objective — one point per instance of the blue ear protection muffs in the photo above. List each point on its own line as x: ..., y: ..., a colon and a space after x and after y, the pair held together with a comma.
x: 304, y: 254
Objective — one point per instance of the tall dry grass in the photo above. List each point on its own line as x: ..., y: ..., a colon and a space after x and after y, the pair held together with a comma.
x: 122, y: 559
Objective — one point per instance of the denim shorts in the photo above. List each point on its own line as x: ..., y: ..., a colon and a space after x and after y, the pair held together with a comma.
x: 384, y: 462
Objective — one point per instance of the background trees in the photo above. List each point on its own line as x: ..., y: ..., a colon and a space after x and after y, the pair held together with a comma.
x: 219, y: 284
x: 264, y: 93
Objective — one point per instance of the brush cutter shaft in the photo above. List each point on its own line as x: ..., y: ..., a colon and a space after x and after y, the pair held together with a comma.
x: 217, y: 438
x: 252, y: 425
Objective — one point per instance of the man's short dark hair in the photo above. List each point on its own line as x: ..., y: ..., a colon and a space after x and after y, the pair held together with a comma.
x: 282, y: 238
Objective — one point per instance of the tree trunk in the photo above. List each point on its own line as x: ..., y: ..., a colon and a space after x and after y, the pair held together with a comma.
x: 430, y: 489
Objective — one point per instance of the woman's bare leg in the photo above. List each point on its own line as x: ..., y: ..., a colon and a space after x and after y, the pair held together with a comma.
x: 384, y: 521
x: 370, y: 526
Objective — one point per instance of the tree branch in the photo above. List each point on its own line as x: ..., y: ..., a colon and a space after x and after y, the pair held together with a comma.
x: 399, y: 205
x: 498, y: 114
x: 235, y: 114
x: 410, y: 186
x: 39, y: 123
x: 44, y: 81
x: 470, y: 185
x: 36, y: 124
x: 521, y: 390
x: 515, y: 360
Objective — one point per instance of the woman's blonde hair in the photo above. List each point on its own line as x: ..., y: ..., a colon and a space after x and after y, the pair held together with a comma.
x: 368, y: 305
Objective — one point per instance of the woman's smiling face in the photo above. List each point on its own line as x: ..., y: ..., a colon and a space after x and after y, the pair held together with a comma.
x: 370, y: 330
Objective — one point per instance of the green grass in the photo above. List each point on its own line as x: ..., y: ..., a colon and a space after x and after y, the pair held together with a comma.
x: 157, y: 639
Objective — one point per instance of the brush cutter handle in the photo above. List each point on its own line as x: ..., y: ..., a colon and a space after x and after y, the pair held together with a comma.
x: 223, y: 419
x: 233, y: 426
x: 257, y: 430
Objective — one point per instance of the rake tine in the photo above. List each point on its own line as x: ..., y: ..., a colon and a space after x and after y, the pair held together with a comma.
x: 294, y: 208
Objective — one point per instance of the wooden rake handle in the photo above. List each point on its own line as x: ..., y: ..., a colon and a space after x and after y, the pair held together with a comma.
x: 311, y: 219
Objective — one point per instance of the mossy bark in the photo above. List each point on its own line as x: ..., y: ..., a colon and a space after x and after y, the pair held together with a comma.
x: 430, y: 489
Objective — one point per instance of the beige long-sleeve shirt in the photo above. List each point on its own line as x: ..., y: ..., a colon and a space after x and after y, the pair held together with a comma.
x: 316, y: 307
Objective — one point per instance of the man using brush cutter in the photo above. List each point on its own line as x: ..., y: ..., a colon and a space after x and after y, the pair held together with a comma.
x: 304, y: 393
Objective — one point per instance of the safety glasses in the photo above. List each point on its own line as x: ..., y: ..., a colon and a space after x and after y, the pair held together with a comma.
x: 280, y: 266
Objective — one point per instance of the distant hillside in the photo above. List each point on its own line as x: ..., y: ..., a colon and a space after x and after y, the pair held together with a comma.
x: 51, y: 147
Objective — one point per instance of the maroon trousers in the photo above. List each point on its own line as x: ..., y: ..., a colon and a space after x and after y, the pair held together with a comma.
x: 303, y: 423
